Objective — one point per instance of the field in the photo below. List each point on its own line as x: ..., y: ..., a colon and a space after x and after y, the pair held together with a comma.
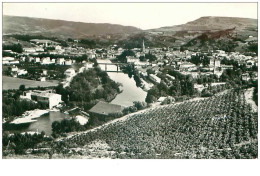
x: 14, y: 83
x: 223, y: 126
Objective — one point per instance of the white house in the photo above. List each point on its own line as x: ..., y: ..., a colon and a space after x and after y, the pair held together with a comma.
x: 37, y: 60
x: 68, y: 62
x: 44, y: 72
x: 42, y: 78
x: 29, y: 50
x: 22, y: 72
x: 45, y: 60
x: 70, y: 72
x: 155, y: 78
x: 52, y: 99
x: 60, y: 61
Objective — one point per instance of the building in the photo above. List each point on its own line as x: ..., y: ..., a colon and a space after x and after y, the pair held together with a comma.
x: 154, y: 78
x: 21, y: 72
x: 143, y: 49
x: 104, y: 109
x: 46, y: 60
x: 29, y: 50
x: 58, y: 47
x: 214, y: 62
x: 68, y: 62
x: 245, y: 77
x: 60, y: 61
x: 14, y: 69
x: 187, y: 67
x: 52, y: 99
x: 44, y: 72
x: 42, y: 79
x: 89, y: 65
x: 9, y: 61
x: 131, y: 59
x: 70, y: 72
x: 170, y: 77
x: 37, y: 60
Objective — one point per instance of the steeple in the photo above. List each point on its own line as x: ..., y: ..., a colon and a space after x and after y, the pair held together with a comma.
x: 143, y: 46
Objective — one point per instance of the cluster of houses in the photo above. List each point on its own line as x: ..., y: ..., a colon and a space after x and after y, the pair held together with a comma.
x: 42, y: 61
x: 15, y: 71
x: 166, y: 58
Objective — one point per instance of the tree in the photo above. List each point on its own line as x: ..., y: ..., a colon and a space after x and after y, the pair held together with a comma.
x: 22, y: 87
x: 125, y: 53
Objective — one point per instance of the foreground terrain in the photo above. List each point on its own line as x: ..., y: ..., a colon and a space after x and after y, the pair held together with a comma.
x: 223, y: 126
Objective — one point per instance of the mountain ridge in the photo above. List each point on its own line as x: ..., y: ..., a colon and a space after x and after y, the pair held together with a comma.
x: 62, y: 28
x: 211, y: 23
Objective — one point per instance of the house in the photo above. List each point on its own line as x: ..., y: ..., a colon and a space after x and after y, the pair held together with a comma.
x: 170, y: 77
x: 37, y: 60
x: 187, y: 67
x: 43, y: 79
x: 14, y: 69
x: 68, y: 62
x: 131, y: 59
x: 44, y: 72
x: 154, y: 78
x: 46, y: 60
x: 161, y: 99
x: 103, y: 109
x: 214, y: 62
x: 8, y: 59
x: 57, y: 47
x: 60, y: 61
x: 29, y: 50
x: 89, y: 65
x: 39, y: 49
x: 22, y: 72
x: 52, y: 99
x: 199, y: 87
x: 8, y: 62
x: 245, y: 77
x: 70, y: 72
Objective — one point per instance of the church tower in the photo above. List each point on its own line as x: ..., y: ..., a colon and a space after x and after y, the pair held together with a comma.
x: 143, y: 46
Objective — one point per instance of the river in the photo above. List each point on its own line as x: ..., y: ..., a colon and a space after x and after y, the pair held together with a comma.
x: 43, y: 123
x: 130, y: 93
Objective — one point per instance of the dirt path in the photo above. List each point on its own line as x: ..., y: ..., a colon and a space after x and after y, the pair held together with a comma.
x: 249, y: 99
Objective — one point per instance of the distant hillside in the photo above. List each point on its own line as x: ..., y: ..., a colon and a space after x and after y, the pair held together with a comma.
x: 60, y: 28
x: 213, y: 23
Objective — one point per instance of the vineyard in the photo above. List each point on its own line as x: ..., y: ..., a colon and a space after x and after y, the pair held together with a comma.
x: 222, y: 126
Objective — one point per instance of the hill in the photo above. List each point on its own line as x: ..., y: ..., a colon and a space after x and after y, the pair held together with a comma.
x: 60, y: 28
x: 212, y: 23
x: 218, y: 127
x: 207, y: 33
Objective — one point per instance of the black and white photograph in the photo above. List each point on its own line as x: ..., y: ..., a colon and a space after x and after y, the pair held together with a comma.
x: 129, y: 80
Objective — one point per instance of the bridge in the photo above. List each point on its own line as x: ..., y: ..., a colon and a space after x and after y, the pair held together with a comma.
x: 113, y: 64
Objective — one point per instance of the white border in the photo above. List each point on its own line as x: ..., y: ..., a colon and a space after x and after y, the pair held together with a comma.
x: 127, y: 167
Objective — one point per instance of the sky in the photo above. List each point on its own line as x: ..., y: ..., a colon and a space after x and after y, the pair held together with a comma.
x: 141, y: 15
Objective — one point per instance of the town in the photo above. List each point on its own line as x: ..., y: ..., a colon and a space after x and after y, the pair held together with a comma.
x: 72, y: 96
